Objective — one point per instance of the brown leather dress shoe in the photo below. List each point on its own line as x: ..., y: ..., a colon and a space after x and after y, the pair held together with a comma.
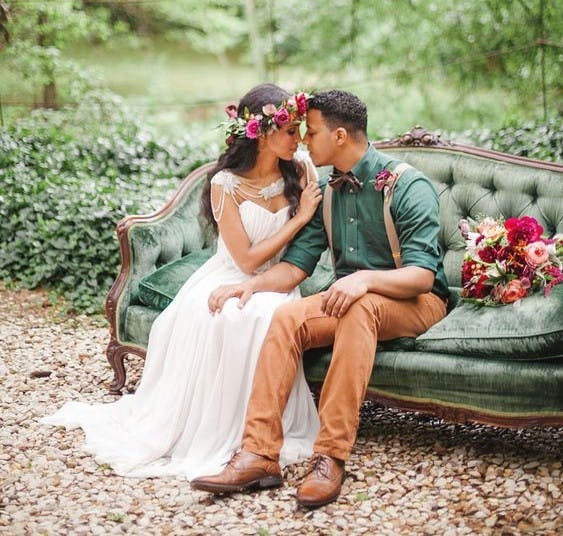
x: 322, y: 484
x: 245, y: 470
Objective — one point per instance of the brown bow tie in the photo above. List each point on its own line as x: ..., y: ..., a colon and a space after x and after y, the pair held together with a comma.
x: 338, y: 179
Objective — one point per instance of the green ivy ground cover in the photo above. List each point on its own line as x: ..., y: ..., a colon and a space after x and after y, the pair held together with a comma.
x: 66, y: 179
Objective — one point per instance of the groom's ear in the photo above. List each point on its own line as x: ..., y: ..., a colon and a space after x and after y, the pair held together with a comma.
x: 341, y: 135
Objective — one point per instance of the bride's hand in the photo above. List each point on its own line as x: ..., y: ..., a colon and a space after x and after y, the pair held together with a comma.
x: 221, y: 294
x: 310, y: 198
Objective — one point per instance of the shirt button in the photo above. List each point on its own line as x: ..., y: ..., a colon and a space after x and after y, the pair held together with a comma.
x: 352, y: 220
x: 350, y: 248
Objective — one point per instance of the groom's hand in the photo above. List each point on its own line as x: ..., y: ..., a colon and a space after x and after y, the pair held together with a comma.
x: 343, y: 293
x: 221, y: 294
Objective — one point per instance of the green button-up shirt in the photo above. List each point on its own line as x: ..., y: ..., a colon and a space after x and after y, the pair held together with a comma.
x: 358, y: 231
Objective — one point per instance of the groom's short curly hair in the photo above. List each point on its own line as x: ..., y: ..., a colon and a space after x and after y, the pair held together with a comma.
x: 341, y: 109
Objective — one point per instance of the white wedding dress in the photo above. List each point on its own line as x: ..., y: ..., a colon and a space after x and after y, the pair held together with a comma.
x: 187, y: 416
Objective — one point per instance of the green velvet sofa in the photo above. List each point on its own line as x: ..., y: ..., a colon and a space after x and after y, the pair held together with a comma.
x: 502, y: 366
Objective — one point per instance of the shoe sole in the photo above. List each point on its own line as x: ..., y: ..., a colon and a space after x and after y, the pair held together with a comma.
x: 316, y: 504
x: 261, y: 483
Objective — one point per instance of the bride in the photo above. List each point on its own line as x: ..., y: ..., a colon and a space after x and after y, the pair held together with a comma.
x: 186, y: 417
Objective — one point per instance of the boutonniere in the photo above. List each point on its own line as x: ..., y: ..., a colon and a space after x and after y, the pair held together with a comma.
x: 383, y: 180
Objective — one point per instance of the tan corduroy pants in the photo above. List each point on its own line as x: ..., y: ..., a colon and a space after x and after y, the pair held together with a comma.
x: 300, y: 325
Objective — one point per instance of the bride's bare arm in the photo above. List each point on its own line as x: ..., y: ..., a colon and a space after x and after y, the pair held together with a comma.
x: 248, y: 257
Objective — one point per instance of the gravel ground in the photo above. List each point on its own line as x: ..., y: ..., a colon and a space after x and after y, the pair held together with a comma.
x: 409, y: 474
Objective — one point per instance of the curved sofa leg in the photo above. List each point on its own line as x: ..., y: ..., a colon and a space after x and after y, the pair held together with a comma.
x: 115, y: 354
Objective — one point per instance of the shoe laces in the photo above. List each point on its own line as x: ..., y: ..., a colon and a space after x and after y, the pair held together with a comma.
x: 320, y: 465
x: 231, y: 462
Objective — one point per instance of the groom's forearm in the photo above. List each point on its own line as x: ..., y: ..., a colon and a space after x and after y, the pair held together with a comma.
x: 283, y: 277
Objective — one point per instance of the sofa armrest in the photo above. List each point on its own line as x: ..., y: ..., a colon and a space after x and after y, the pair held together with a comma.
x: 147, y: 242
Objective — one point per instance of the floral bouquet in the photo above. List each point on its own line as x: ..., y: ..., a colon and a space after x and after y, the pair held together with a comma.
x: 506, y: 261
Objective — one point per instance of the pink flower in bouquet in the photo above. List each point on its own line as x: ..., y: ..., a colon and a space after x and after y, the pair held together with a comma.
x: 536, y: 253
x: 464, y: 228
x: 490, y: 228
x: 281, y: 117
x: 252, y: 128
x: 523, y: 230
x: 515, y: 290
x: 555, y: 276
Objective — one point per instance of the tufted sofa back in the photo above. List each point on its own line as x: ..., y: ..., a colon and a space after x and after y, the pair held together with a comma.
x: 474, y: 185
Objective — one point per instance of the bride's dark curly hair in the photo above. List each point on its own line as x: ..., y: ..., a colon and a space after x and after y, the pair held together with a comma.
x: 241, y: 154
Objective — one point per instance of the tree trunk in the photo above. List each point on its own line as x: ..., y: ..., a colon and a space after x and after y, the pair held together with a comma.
x: 4, y: 25
x: 49, y: 89
x: 255, y: 40
x: 50, y: 95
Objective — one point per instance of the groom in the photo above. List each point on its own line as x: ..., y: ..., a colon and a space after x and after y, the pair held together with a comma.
x: 371, y: 300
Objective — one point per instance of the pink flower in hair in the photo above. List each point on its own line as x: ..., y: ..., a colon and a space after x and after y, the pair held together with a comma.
x: 252, y: 128
x: 231, y: 110
x: 281, y: 117
x: 301, y: 102
x: 269, y: 109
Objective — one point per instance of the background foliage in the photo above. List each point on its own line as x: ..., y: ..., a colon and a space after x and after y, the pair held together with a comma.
x: 532, y: 139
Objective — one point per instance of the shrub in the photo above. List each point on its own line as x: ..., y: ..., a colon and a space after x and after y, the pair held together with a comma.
x: 66, y: 178
x: 536, y: 139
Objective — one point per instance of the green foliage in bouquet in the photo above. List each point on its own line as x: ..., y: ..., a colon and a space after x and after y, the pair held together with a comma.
x: 66, y: 178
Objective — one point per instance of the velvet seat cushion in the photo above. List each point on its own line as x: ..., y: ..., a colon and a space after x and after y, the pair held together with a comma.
x: 158, y: 289
x: 531, y: 330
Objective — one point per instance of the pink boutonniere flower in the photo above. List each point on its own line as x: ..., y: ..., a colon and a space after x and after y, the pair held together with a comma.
x: 384, y: 178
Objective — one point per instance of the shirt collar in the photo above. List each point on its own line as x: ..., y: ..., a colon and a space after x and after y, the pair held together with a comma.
x: 369, y: 165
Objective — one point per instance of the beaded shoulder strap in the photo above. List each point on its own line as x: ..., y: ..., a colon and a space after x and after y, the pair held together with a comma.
x: 229, y: 183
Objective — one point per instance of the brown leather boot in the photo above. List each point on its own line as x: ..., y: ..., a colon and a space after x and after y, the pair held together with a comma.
x: 245, y: 470
x: 323, y: 482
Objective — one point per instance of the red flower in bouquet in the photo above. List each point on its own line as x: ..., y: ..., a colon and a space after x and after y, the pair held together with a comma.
x: 505, y: 262
x: 523, y: 230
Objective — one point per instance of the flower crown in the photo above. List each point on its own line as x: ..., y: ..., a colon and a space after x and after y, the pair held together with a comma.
x: 272, y: 117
